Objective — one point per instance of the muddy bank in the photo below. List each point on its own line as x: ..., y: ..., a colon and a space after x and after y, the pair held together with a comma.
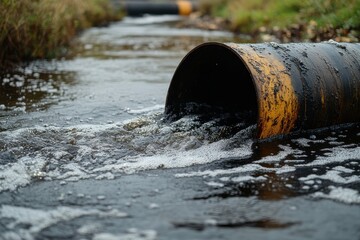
x: 298, y: 32
x: 278, y: 21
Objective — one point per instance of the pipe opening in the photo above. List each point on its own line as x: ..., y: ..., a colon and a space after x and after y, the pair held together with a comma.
x: 212, y: 79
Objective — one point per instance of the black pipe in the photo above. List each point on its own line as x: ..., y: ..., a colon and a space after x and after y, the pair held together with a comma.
x: 290, y: 87
x: 139, y: 8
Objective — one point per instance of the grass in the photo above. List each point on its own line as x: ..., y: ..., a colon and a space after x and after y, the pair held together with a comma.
x: 338, y: 13
x: 322, y: 16
x: 33, y: 29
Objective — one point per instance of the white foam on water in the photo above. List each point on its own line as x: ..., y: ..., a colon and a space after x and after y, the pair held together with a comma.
x: 13, y: 176
x: 214, y: 184
x: 146, y: 110
x: 240, y: 175
x: 248, y: 179
x: 343, y: 169
x: 248, y: 168
x: 304, y: 142
x: 285, y: 169
x: 105, y: 151
x: 335, y: 175
x: 83, y: 130
x: 283, y: 163
x: 102, y: 151
x: 133, y: 234
x: 335, y: 155
x: 20, y: 173
x: 73, y: 172
x: 332, y: 175
x: 340, y: 194
x: 174, y: 159
x: 37, y: 219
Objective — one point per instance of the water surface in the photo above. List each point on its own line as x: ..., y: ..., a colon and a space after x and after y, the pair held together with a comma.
x: 85, y: 153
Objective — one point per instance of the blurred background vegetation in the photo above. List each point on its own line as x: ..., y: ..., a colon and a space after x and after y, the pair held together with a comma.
x: 313, y: 20
x: 31, y: 29
x: 44, y: 28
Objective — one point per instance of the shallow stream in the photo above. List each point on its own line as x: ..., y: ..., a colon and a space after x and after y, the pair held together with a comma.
x: 85, y: 153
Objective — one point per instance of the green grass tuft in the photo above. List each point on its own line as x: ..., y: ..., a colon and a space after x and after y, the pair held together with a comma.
x: 44, y: 28
x: 249, y: 16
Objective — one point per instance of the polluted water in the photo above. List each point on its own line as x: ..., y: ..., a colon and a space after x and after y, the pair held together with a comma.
x: 103, y: 151
x: 86, y: 152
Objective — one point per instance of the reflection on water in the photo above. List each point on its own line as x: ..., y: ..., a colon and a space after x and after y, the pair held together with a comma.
x: 32, y: 88
x: 262, y: 223
x: 310, y: 164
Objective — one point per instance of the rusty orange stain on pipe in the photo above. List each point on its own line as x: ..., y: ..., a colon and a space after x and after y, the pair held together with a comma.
x: 278, y: 103
x: 185, y: 7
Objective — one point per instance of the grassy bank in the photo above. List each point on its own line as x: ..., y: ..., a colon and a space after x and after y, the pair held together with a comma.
x: 44, y: 28
x: 314, y: 20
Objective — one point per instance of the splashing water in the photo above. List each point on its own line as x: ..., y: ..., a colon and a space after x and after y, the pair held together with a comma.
x: 102, y: 151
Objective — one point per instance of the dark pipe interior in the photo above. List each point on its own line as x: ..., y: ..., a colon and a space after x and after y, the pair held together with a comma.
x: 142, y: 8
x: 215, y: 76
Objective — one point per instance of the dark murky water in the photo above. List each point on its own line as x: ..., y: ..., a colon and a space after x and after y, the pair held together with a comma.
x: 85, y: 153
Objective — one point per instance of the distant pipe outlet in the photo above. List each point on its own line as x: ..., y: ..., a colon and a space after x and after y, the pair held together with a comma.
x: 289, y: 87
x: 139, y: 8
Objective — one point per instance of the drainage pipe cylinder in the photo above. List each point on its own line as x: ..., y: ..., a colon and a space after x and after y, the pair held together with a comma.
x: 290, y: 87
x: 138, y: 8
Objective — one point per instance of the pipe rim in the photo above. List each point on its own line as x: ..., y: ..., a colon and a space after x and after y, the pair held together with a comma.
x: 233, y: 52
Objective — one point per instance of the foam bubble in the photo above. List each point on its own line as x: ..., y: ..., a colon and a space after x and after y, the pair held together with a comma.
x: 37, y: 219
x: 248, y: 179
x: 340, y: 194
x: 248, y: 168
x: 133, y: 234
x: 20, y: 173
x: 343, y: 169
x: 335, y: 155
x: 332, y: 175
x: 214, y: 184
x: 146, y: 110
x: 304, y: 142
x: 251, y: 168
x: 285, y: 169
